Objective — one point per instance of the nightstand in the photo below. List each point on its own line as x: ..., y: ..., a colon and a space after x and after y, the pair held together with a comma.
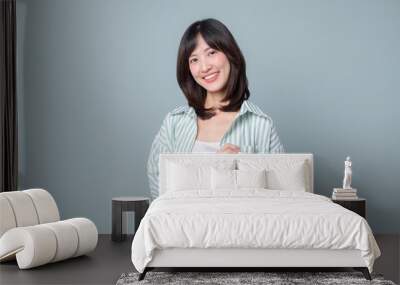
x: 139, y: 205
x: 358, y: 206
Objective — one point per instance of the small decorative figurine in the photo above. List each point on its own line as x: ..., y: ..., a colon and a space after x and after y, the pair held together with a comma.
x: 347, y: 174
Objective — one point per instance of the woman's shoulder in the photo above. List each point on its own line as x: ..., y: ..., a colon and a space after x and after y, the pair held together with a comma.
x: 180, y: 110
x: 255, y: 110
x: 177, y: 114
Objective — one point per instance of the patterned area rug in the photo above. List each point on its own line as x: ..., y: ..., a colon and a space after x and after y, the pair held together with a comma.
x: 230, y: 278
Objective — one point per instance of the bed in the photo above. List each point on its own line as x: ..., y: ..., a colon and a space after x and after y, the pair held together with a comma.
x: 247, y: 210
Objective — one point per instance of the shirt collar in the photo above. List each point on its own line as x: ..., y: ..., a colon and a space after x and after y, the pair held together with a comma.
x: 246, y: 107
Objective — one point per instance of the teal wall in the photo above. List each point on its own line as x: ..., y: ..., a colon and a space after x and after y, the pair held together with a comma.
x: 96, y: 78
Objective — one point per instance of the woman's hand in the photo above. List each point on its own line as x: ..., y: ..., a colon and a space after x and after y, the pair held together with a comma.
x: 229, y: 148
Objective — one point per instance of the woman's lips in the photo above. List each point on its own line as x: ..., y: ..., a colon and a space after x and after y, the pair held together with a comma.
x: 211, y: 78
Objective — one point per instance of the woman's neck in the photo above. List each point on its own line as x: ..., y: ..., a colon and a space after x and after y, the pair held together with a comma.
x: 214, y: 100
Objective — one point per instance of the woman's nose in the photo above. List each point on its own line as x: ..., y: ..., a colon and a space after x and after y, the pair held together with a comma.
x: 205, y: 66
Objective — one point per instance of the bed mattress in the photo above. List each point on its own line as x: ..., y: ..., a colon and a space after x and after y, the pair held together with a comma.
x: 250, y: 219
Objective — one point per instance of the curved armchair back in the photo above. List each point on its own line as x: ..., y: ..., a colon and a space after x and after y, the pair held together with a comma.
x: 26, y: 208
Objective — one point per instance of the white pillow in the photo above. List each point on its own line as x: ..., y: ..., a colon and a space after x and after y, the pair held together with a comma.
x: 282, y: 174
x: 288, y: 179
x: 223, y: 179
x: 187, y: 175
x: 237, y: 179
x: 251, y: 178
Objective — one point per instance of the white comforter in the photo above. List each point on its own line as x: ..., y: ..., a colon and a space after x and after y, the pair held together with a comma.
x: 251, y: 218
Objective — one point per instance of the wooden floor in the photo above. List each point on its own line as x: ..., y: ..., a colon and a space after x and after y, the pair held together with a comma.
x: 111, y: 259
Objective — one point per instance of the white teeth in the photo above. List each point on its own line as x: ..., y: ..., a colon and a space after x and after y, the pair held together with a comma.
x: 210, y: 76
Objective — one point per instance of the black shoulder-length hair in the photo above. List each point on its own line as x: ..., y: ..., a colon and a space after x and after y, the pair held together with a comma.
x: 218, y: 37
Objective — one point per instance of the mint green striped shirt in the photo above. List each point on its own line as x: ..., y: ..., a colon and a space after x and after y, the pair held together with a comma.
x: 252, y: 130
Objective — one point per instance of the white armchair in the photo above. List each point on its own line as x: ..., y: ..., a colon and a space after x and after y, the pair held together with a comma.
x: 31, y: 230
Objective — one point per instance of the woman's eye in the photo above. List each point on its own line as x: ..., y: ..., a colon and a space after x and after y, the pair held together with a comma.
x: 212, y: 52
x: 193, y: 60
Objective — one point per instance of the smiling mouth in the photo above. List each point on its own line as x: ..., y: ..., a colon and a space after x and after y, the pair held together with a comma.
x: 211, y: 78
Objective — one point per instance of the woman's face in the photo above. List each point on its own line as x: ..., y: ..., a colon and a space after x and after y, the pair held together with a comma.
x: 209, y: 67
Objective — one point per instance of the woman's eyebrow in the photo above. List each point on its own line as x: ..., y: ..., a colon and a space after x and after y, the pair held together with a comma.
x: 194, y: 54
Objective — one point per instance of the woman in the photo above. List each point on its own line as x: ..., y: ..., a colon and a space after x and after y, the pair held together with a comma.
x: 211, y: 72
